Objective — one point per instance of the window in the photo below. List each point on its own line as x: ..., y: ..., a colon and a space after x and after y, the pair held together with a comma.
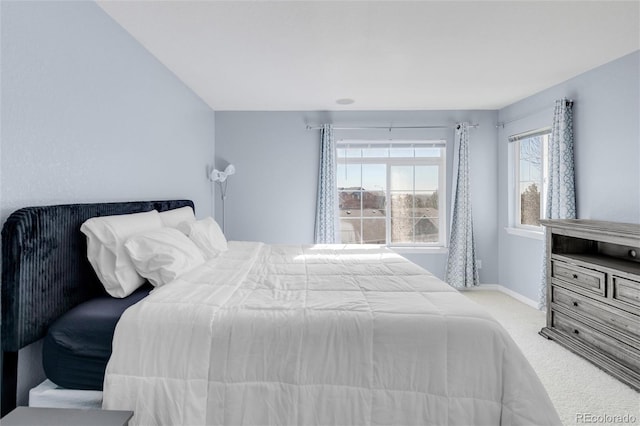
x: 392, y: 193
x: 530, y: 172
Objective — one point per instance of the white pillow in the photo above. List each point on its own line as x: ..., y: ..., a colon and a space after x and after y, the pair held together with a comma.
x: 207, y: 235
x: 172, y: 218
x: 106, y: 236
x: 162, y: 255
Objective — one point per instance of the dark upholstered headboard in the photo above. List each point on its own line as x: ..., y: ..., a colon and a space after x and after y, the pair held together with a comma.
x: 45, y: 272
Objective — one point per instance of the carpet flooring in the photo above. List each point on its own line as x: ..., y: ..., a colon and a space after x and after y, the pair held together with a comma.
x: 581, y: 393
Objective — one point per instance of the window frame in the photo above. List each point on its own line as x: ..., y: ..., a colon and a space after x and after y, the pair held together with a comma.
x: 515, y: 195
x: 388, y: 162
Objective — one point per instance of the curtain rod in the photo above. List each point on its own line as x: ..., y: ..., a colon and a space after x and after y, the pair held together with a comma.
x: 537, y: 111
x: 453, y: 126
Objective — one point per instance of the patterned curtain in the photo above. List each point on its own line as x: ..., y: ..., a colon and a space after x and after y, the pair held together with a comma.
x: 325, y: 232
x: 561, y: 193
x: 461, y: 263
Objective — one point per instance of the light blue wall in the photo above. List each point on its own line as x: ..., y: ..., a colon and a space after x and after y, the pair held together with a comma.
x: 272, y: 197
x: 607, y: 157
x: 89, y: 115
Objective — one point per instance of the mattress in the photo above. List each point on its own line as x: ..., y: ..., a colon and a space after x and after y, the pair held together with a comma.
x: 290, y: 335
x: 77, y: 346
x: 48, y: 394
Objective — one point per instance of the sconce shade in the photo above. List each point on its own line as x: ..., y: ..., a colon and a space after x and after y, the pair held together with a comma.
x: 218, y: 176
x: 230, y: 170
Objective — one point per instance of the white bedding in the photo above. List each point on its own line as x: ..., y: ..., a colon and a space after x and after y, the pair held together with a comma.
x: 297, y: 335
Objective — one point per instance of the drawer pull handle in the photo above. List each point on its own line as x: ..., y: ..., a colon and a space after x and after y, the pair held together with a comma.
x: 575, y: 276
x: 576, y: 331
x: 575, y: 303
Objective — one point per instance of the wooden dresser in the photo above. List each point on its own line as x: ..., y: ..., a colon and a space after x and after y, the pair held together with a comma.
x: 593, y: 293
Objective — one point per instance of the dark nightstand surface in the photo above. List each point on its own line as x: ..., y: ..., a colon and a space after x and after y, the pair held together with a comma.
x: 31, y: 416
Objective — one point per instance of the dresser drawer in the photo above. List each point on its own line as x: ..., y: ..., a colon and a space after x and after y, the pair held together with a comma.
x: 573, y: 328
x: 626, y: 290
x: 624, y: 322
x: 585, y: 278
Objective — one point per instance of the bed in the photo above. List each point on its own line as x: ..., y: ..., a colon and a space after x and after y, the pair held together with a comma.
x: 269, y: 334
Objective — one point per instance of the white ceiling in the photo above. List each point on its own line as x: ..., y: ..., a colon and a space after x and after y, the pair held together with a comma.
x: 386, y: 55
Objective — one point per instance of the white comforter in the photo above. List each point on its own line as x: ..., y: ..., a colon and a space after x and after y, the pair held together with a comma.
x: 310, y: 335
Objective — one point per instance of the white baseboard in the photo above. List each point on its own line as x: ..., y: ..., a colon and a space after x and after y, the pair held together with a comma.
x: 507, y: 291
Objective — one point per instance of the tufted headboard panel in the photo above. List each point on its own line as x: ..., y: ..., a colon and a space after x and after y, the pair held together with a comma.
x: 45, y: 271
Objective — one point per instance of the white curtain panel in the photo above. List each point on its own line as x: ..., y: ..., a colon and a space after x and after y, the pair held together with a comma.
x: 561, y: 193
x: 461, y: 263
x: 326, y: 207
